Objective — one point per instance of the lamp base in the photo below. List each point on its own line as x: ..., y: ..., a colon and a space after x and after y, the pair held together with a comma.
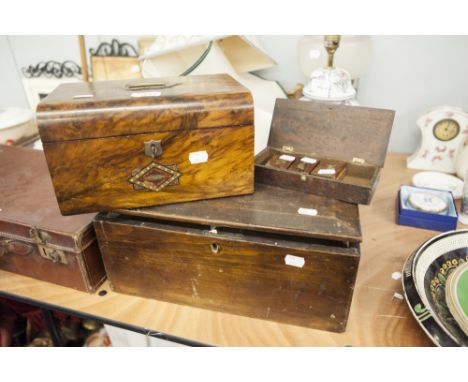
x: 330, y: 85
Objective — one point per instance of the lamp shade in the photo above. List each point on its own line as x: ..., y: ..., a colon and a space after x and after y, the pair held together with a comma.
x: 352, y: 55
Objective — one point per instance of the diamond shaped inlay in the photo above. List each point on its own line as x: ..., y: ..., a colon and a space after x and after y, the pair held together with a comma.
x: 155, y: 177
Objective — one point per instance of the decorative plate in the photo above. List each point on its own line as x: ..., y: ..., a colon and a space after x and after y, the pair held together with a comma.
x: 425, y: 274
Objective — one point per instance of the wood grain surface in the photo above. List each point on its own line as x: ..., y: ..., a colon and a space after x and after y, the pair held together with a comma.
x: 93, y: 175
x: 269, y: 209
x: 241, y: 272
x: 377, y: 318
x: 108, y: 108
x: 94, y: 138
x: 332, y: 131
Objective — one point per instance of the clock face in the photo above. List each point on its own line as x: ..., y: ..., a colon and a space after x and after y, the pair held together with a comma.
x: 446, y: 129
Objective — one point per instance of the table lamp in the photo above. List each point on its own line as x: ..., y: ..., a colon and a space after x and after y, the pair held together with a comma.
x: 321, y: 60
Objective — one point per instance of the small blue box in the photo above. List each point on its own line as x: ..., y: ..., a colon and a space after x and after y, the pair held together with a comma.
x: 407, y: 215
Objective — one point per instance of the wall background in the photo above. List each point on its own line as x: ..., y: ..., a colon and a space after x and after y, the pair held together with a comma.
x: 409, y: 74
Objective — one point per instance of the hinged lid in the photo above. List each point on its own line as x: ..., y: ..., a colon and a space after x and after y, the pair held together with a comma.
x: 28, y: 207
x: 111, y: 108
x: 269, y: 209
x: 332, y: 131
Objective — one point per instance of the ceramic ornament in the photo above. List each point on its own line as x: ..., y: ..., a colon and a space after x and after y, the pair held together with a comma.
x: 439, y: 181
x: 443, y: 131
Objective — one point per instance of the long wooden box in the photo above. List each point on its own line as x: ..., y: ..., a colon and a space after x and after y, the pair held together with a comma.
x: 133, y: 143
x: 35, y: 239
x: 331, y: 150
x: 263, y: 255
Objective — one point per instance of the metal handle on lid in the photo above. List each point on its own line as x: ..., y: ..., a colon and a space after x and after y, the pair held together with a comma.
x: 151, y: 85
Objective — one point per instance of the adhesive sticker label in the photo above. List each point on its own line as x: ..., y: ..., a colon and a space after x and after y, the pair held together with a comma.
x: 309, y: 160
x: 198, y: 157
x: 327, y: 171
x: 307, y: 211
x: 145, y: 94
x: 288, y: 158
x: 294, y: 261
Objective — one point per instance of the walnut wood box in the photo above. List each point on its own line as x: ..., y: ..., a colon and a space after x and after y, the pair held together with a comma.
x: 35, y: 239
x: 253, y: 255
x: 143, y: 142
x: 355, y: 136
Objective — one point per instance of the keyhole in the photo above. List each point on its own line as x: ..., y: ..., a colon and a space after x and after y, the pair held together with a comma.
x: 215, y: 247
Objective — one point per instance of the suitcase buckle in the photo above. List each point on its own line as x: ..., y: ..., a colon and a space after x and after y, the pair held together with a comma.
x: 52, y: 254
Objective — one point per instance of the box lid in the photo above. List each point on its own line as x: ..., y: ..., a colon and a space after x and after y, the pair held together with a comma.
x: 332, y: 131
x: 269, y: 209
x: 111, y: 108
x: 28, y: 207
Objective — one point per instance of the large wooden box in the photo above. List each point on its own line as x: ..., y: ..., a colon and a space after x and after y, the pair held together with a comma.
x: 347, y: 143
x: 133, y: 143
x: 278, y: 254
x: 35, y: 239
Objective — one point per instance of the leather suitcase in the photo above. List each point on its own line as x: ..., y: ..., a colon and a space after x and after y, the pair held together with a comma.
x: 278, y: 254
x: 330, y: 150
x: 143, y: 142
x: 35, y: 239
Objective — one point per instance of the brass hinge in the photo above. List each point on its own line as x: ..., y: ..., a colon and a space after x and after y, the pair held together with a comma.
x: 358, y: 161
x: 288, y: 149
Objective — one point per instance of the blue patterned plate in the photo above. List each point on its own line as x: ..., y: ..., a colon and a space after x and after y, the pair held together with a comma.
x: 425, y: 275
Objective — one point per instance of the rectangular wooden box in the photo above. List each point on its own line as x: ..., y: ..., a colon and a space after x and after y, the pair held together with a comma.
x: 142, y: 142
x: 263, y: 255
x: 355, y: 137
x: 35, y: 239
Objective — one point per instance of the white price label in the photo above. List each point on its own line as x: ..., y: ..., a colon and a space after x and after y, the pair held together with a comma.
x: 287, y: 158
x: 309, y: 160
x: 198, y: 157
x: 145, y: 94
x: 327, y: 171
x: 294, y: 261
x: 307, y: 211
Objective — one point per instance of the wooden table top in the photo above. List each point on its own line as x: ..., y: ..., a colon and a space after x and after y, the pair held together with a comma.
x: 378, y: 317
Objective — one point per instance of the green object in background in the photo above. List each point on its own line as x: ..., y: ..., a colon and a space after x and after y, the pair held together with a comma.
x: 456, y: 295
x: 462, y: 291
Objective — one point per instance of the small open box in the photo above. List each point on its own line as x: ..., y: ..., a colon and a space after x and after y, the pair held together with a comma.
x: 414, y: 217
x: 342, y: 149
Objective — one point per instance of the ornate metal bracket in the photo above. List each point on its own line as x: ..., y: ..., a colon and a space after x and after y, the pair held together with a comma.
x: 52, y: 69
x: 114, y: 49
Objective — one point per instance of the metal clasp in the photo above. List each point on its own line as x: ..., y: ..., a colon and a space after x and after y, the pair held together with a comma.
x: 153, y: 149
x: 41, y: 238
x: 52, y: 254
